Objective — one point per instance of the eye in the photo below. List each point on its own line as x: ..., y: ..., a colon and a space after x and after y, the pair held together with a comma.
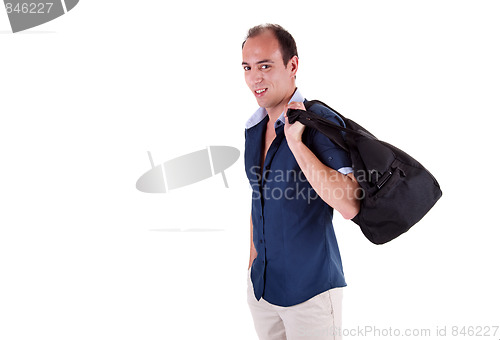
x: 265, y: 67
x: 246, y: 68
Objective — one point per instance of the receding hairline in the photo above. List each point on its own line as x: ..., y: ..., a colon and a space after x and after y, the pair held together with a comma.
x: 284, y: 39
x: 262, y: 30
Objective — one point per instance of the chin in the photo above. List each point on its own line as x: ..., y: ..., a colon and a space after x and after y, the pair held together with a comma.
x: 262, y: 103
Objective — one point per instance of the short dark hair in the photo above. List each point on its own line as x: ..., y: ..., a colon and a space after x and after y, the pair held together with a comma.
x: 287, y: 43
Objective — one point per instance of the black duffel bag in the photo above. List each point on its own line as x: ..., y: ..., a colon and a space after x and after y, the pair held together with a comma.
x: 397, y: 190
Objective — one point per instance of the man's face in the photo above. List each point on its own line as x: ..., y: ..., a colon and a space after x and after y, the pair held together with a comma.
x: 265, y: 74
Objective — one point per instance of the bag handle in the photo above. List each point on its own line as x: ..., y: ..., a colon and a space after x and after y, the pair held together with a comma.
x: 323, y: 125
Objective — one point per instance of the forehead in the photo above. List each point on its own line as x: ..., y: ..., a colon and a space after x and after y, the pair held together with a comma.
x: 261, y: 47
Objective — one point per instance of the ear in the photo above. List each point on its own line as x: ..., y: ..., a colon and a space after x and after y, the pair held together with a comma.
x: 293, y: 65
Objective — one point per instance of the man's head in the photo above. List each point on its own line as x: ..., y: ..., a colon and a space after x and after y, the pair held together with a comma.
x: 270, y: 63
x: 286, y: 42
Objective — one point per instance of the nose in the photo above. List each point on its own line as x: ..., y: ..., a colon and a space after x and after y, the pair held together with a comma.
x: 255, y: 76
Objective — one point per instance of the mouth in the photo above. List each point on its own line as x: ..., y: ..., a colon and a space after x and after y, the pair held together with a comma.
x: 260, y: 92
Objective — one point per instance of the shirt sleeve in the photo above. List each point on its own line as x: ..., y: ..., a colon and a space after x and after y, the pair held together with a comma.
x: 327, y: 151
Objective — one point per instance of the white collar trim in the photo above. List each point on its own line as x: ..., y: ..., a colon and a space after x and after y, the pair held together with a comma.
x: 261, y: 113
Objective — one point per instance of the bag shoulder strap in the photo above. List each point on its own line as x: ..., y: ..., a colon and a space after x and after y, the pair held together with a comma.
x: 338, y: 127
x: 305, y: 116
x: 323, y: 125
x: 310, y: 103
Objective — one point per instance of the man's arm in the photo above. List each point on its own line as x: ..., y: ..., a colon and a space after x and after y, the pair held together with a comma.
x: 337, y: 190
x: 253, y: 251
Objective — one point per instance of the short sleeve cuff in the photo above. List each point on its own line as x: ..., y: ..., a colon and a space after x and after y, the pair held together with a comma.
x: 345, y: 170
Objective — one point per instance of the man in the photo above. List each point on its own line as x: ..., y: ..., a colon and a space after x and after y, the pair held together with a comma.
x: 297, y: 175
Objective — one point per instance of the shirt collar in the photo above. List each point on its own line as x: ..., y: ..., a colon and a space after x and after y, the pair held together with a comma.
x: 261, y: 113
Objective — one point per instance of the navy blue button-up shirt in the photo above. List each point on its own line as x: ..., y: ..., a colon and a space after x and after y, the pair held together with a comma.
x: 298, y: 256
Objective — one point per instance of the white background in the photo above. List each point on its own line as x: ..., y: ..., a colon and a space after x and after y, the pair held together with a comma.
x: 84, y: 255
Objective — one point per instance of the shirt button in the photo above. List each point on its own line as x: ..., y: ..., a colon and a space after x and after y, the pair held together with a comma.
x: 267, y: 167
x: 260, y: 241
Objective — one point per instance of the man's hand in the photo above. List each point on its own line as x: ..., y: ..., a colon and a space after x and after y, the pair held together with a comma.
x: 325, y: 181
x: 293, y: 132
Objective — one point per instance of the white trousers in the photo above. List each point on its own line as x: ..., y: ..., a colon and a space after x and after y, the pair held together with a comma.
x: 319, y: 318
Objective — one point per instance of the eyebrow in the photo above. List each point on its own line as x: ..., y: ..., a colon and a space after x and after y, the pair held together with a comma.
x: 265, y: 61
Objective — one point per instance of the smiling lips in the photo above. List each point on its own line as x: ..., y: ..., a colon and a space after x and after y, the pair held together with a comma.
x: 260, y: 92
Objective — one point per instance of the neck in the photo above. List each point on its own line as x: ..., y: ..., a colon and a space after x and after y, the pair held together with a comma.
x: 275, y: 111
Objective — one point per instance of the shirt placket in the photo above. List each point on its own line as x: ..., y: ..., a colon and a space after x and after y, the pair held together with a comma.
x: 273, y: 148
